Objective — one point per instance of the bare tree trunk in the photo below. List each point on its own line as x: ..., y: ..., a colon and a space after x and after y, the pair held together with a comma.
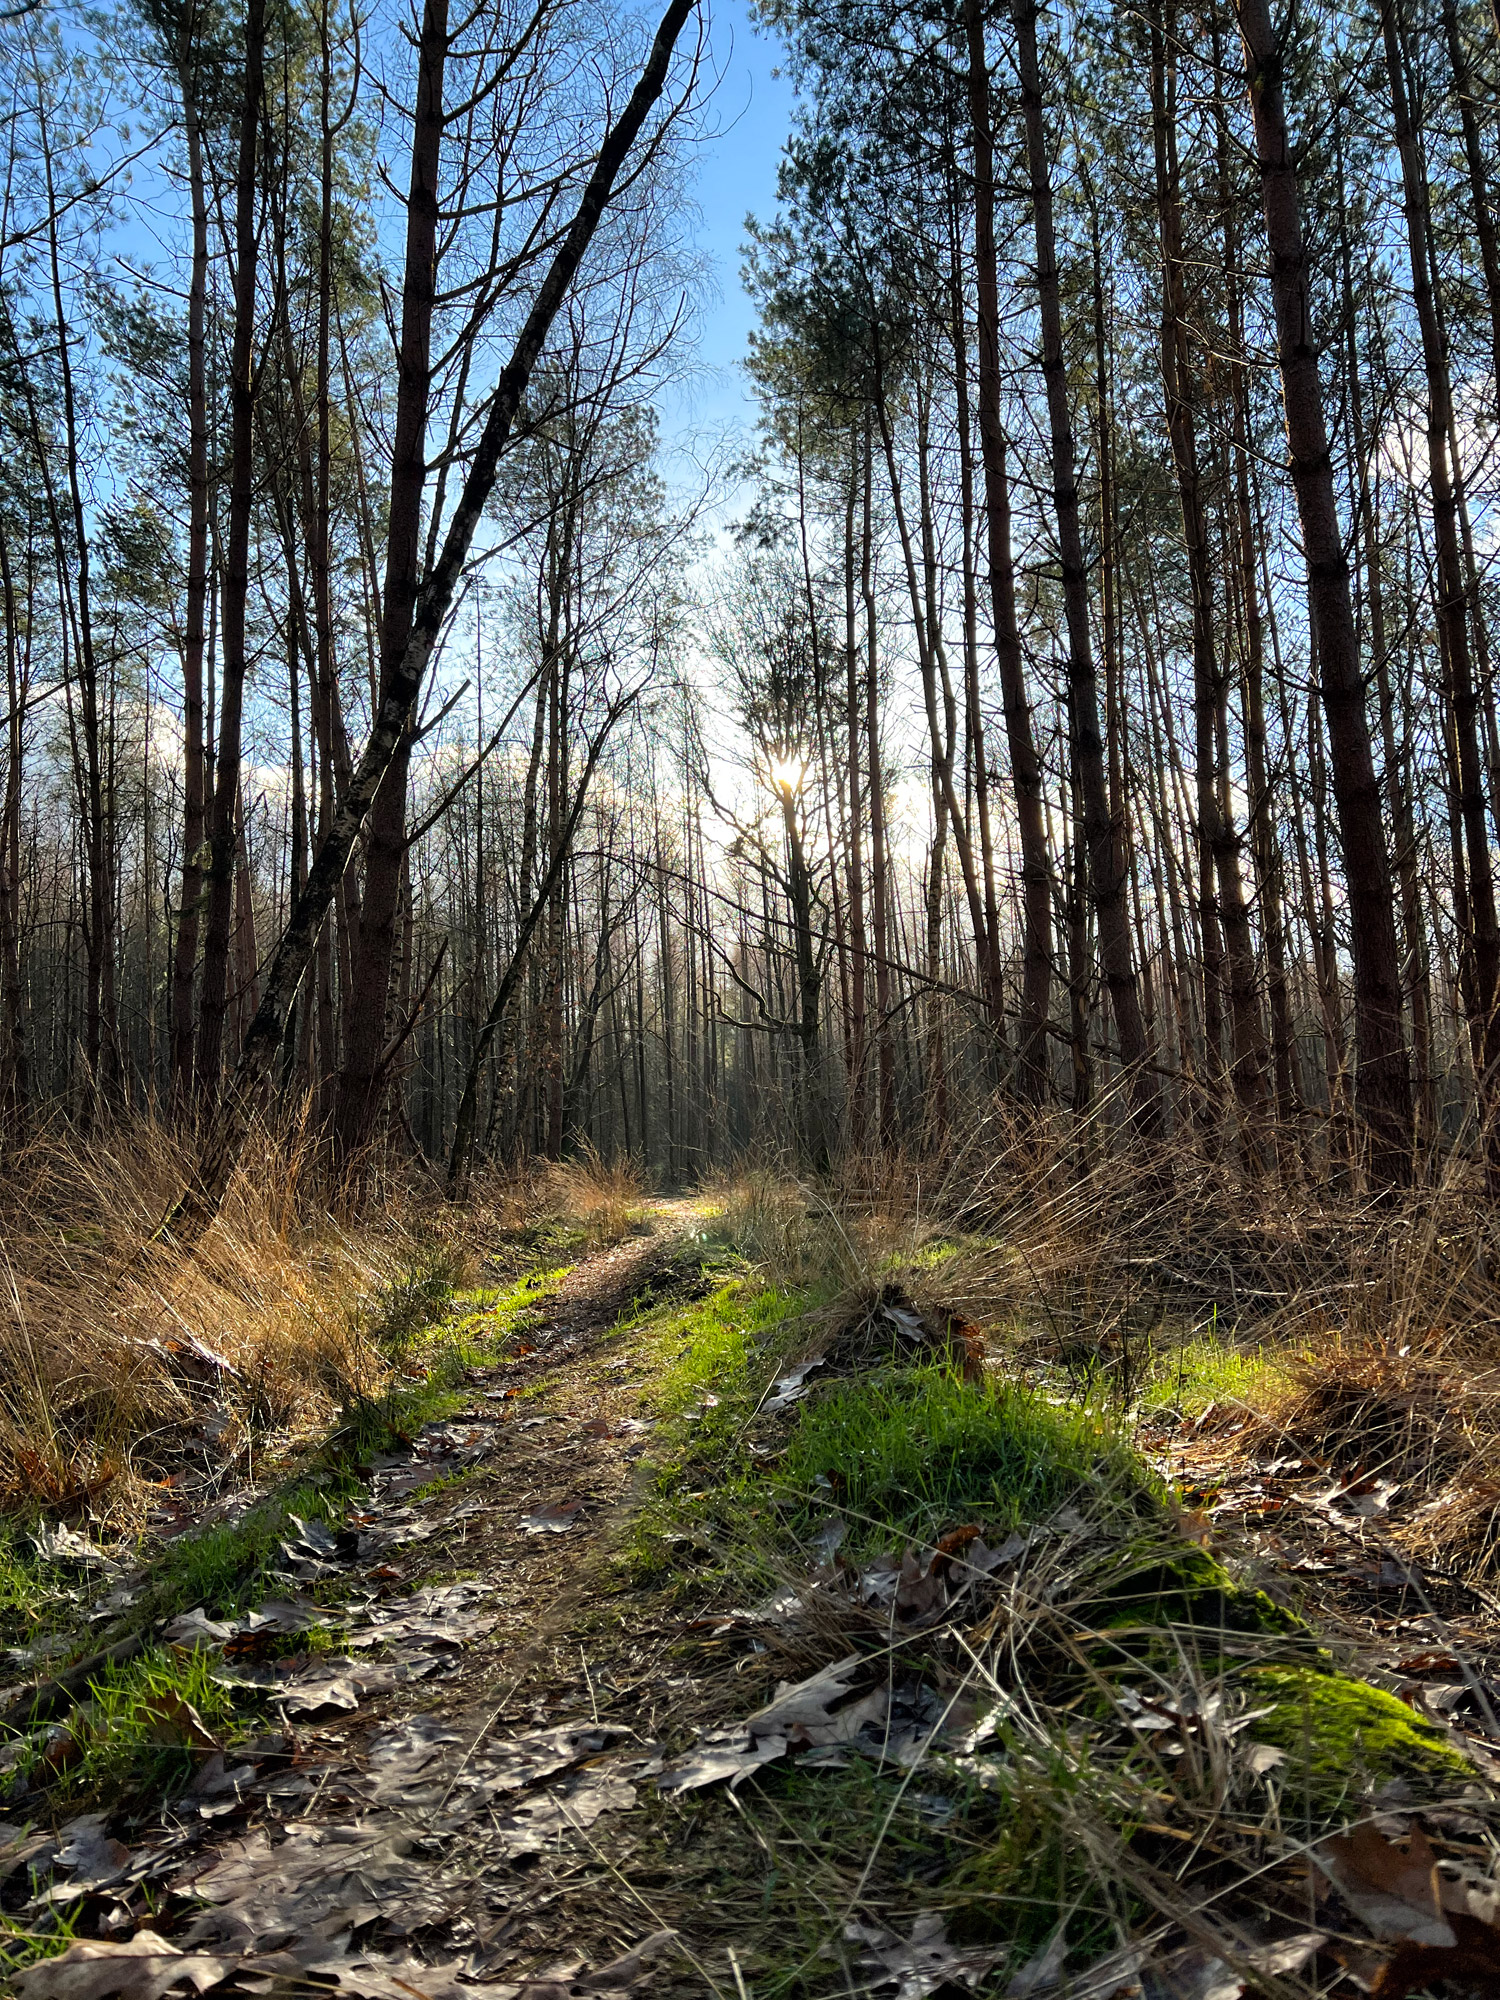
x: 185, y: 955
x: 1025, y: 762
x: 1384, y: 1088
x: 858, y: 946
x: 1103, y: 839
x: 1452, y: 603
x: 879, y: 887
x: 221, y: 865
x: 1218, y: 843
x: 1482, y: 201
x: 15, y: 1065
x: 101, y: 1043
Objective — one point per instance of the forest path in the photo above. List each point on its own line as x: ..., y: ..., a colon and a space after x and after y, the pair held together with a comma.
x: 463, y: 1709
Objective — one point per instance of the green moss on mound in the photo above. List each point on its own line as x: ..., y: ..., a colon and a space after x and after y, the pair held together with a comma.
x: 1189, y: 1587
x: 1343, y: 1737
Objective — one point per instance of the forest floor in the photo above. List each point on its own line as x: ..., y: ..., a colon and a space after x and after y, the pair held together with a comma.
x: 682, y: 1627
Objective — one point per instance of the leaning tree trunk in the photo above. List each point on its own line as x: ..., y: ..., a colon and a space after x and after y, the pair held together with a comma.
x: 360, y: 1081
x: 225, y: 1138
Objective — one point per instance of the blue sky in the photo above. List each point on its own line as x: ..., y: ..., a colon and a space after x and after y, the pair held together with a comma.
x: 751, y: 109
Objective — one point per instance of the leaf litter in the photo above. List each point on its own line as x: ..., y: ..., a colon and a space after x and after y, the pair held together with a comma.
x: 294, y: 1858
x: 303, y: 1899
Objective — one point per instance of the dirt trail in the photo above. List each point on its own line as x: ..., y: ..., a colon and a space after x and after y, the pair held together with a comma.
x: 454, y: 1734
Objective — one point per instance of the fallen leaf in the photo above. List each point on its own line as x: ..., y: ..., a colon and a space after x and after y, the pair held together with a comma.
x: 1393, y: 1890
x: 1263, y: 1757
x: 824, y: 1708
x: 89, y: 1849
x: 920, y: 1964
x: 58, y: 1544
x: 196, y: 1628
x: 140, y: 1968
x: 1038, y: 1973
x: 1201, y: 1975
x: 318, y: 1881
x: 336, y: 1694
x: 828, y: 1536
x: 1470, y: 1964
x: 173, y: 1720
x: 570, y: 1979
x: 921, y: 1594
x: 1424, y: 1666
x: 985, y: 1561
x: 719, y: 1753
x: 792, y: 1386
x: 534, y: 1821
x: 552, y: 1519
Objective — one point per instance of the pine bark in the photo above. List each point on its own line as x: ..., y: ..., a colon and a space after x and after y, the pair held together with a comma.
x: 1383, y: 1085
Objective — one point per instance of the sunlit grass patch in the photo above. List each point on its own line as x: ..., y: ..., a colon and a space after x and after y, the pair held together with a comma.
x: 720, y: 1345
x: 1204, y: 1371
x: 145, y: 1726
x: 918, y: 1450
x: 710, y: 1363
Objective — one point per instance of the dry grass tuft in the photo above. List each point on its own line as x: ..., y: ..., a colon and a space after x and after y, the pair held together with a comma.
x: 123, y: 1358
x: 601, y: 1196
x: 1384, y: 1313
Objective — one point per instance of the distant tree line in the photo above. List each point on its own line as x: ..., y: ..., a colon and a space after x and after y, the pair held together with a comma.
x: 1092, y: 710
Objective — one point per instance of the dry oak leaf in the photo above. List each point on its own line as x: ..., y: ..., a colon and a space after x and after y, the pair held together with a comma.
x: 173, y: 1720
x: 141, y: 1968
x: 1471, y: 1963
x: 1441, y: 1928
x: 552, y: 1519
x: 825, y: 1709
x: 920, y: 1964
x: 1393, y: 1890
x: 572, y: 1981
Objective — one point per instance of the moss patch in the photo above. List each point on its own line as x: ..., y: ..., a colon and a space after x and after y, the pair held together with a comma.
x: 1190, y: 1587
x: 1344, y: 1738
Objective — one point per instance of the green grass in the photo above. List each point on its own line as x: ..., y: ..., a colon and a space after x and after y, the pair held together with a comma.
x: 722, y: 1346
x: 36, y: 1597
x: 21, y: 1946
x: 916, y: 1451
x: 704, y: 1482
x: 1201, y: 1372
x: 132, y: 1736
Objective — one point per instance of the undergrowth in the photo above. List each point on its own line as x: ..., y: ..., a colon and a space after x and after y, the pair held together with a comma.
x: 128, y: 1736
x: 1067, y: 1820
